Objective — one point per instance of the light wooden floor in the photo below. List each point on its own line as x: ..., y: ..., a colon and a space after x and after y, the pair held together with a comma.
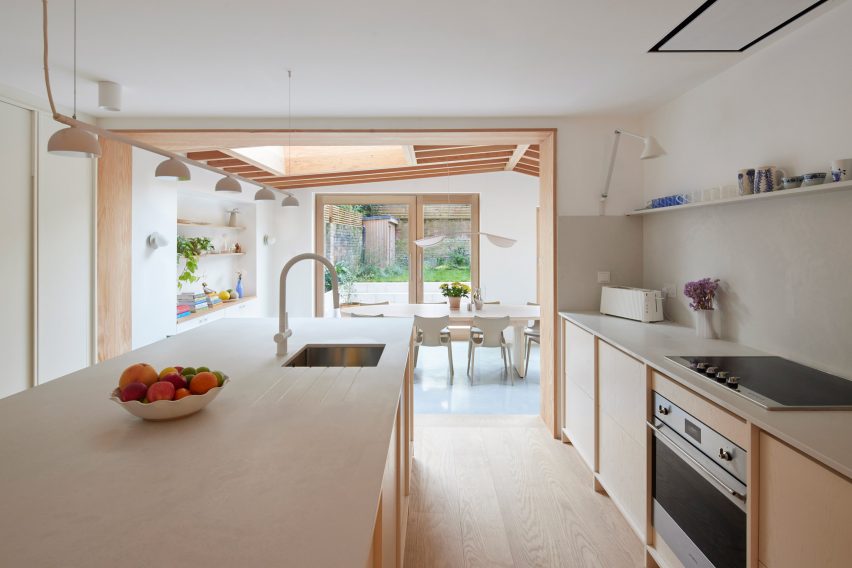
x: 499, y: 491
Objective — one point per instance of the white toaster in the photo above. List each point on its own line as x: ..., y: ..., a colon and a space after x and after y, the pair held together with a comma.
x: 632, y: 303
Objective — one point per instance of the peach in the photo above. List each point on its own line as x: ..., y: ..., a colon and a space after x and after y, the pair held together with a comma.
x: 138, y: 373
x: 162, y: 390
x: 133, y: 391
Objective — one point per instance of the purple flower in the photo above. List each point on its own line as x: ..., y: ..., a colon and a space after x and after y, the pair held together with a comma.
x: 701, y: 292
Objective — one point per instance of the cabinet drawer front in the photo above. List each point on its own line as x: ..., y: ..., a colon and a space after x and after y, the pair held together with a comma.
x: 623, y: 472
x: 580, y: 422
x: 580, y: 358
x: 805, y: 510
x: 729, y: 425
x: 621, y: 390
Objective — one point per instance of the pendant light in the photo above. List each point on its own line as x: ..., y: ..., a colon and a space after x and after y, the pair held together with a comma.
x: 290, y: 200
x: 72, y: 141
x: 264, y: 194
x: 172, y: 169
x: 228, y: 183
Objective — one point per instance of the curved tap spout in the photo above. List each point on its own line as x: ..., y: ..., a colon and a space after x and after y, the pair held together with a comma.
x: 284, y: 330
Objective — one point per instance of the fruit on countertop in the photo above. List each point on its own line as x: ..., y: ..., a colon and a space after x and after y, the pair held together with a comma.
x: 182, y: 393
x: 161, y: 390
x: 168, y: 371
x: 203, y: 382
x: 133, y: 391
x: 220, y: 376
x: 179, y: 381
x: 138, y: 373
x: 186, y: 371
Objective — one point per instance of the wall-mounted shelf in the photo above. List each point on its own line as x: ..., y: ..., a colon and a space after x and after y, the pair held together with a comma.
x: 824, y: 188
x: 216, y: 308
x: 209, y: 226
x: 209, y: 255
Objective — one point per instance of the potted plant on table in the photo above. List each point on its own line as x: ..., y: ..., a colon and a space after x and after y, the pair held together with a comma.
x: 701, y: 294
x: 454, y: 292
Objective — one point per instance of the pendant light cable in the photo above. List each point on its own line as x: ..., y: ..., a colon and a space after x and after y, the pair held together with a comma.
x: 46, y: 70
x: 74, y: 116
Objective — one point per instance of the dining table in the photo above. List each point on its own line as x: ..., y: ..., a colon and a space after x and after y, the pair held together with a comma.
x: 520, y: 315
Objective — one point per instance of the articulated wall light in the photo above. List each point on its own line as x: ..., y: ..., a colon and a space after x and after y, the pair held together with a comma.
x: 155, y: 240
x: 651, y: 149
x: 228, y: 183
x: 109, y: 96
x: 173, y: 170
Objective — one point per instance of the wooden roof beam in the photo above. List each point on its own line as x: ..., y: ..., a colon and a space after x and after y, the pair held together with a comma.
x: 519, y: 152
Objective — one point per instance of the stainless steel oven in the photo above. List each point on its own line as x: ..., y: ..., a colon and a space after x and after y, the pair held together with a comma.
x: 699, y: 489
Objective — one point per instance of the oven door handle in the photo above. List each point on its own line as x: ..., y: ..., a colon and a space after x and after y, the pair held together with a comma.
x: 673, y: 445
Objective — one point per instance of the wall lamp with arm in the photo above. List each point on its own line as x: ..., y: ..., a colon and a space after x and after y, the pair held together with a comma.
x: 651, y: 150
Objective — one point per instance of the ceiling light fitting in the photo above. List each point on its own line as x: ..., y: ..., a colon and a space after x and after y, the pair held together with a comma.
x: 264, y: 194
x: 172, y: 169
x: 109, y: 96
x: 290, y: 201
x: 228, y: 183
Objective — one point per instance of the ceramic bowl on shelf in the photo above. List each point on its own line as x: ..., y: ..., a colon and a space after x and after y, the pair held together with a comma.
x: 813, y: 179
x: 792, y: 182
x: 168, y: 409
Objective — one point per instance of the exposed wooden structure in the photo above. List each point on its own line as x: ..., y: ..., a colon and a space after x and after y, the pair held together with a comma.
x: 426, y: 161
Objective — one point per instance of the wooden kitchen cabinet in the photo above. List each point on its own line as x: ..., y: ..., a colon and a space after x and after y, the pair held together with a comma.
x: 621, y: 451
x: 389, y: 531
x: 804, y: 510
x: 579, y: 391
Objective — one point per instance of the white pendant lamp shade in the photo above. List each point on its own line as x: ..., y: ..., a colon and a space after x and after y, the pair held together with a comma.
x: 74, y: 142
x: 502, y: 242
x: 228, y: 183
x: 264, y: 194
x: 652, y: 149
x: 290, y: 201
x: 172, y: 169
x: 429, y: 241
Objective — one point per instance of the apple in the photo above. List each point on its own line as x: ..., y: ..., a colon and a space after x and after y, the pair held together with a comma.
x: 134, y: 391
x: 178, y: 381
x: 178, y: 368
x: 161, y: 390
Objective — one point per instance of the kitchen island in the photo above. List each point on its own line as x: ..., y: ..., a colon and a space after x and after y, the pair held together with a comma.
x: 287, y: 467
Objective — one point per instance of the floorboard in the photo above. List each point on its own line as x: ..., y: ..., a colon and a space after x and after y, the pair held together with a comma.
x: 499, y: 491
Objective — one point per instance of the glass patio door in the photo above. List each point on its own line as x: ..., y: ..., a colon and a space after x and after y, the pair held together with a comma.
x: 369, y: 238
x: 456, y: 257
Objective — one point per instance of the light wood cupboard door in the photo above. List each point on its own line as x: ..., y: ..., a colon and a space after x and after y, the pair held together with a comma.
x: 579, y: 391
x: 805, y: 510
x: 621, y: 420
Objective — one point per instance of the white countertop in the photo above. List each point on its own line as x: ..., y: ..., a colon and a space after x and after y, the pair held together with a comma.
x: 284, y: 468
x: 824, y: 435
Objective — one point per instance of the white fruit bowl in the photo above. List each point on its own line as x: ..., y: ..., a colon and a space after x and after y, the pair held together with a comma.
x: 168, y: 409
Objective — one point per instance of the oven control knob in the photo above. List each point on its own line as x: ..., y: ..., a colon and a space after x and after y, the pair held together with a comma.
x: 701, y: 366
x: 663, y: 409
x: 725, y: 454
x: 733, y: 382
x: 711, y: 371
x: 722, y: 376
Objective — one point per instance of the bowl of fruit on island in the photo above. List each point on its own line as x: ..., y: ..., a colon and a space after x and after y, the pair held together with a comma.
x: 172, y: 393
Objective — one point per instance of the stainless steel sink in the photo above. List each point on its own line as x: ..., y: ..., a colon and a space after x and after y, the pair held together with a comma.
x: 336, y: 356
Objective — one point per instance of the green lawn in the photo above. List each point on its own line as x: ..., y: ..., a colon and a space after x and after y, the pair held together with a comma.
x: 429, y: 275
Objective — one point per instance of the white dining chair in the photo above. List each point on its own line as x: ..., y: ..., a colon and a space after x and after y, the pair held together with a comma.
x: 383, y: 303
x: 532, y: 334
x: 433, y: 332
x: 368, y: 315
x: 488, y: 332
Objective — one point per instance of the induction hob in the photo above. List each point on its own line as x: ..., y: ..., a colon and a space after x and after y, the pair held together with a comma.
x: 773, y: 382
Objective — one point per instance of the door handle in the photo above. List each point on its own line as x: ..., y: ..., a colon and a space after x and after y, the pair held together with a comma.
x: 697, y: 464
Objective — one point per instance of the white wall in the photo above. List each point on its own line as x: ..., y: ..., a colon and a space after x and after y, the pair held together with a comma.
x: 507, y: 206
x: 786, y: 265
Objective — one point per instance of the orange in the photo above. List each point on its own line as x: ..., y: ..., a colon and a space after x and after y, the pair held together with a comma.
x: 203, y: 382
x: 180, y: 393
x: 138, y: 373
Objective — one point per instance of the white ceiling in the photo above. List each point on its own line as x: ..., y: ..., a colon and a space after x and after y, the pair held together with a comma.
x: 372, y: 58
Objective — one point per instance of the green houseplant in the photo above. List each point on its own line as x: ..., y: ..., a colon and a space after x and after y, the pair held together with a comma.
x: 189, y: 249
x: 454, y: 292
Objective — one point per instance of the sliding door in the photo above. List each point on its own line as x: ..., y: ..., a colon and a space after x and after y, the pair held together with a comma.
x: 456, y: 257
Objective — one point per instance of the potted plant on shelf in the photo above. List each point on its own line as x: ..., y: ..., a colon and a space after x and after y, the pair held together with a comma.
x: 189, y: 249
x: 701, y: 294
x: 454, y: 292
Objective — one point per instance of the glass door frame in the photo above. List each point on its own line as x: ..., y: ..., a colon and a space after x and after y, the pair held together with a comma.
x: 438, y: 199
x: 415, y: 203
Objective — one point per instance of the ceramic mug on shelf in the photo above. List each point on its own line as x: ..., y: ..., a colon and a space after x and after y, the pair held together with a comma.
x: 767, y: 179
x: 745, y: 181
x: 841, y: 170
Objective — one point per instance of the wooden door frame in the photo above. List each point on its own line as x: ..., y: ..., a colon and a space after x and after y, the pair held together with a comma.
x: 204, y: 139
